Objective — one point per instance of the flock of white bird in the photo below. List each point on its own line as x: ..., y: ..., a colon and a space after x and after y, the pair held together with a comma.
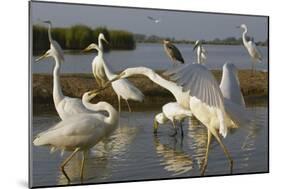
x: 196, y: 91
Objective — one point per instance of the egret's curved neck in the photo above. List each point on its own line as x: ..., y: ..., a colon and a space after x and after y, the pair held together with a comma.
x: 49, y: 33
x: 57, y: 92
x: 112, y: 118
x: 100, y: 43
x: 244, y: 35
x: 109, y: 74
x: 170, y: 86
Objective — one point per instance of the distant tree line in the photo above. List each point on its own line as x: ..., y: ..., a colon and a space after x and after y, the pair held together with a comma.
x: 226, y: 41
x: 78, y: 37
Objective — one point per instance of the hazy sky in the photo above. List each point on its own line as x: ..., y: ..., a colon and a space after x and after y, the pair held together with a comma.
x: 181, y: 25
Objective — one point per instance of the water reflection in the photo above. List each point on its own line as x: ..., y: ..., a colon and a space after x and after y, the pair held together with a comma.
x: 101, y: 159
x: 173, y: 160
x: 197, y: 140
x: 95, y: 167
x: 134, y: 153
x: 117, y: 144
x: 252, y: 131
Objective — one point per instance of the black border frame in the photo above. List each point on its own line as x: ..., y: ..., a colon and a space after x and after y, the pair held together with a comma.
x: 30, y: 111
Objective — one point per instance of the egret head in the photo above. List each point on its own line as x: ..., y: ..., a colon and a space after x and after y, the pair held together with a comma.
x: 159, y: 119
x: 101, y: 36
x: 48, y: 53
x: 88, y: 96
x: 242, y: 26
x: 197, y: 43
x: 48, y: 22
x: 54, y: 51
x: 91, y: 46
x: 166, y: 41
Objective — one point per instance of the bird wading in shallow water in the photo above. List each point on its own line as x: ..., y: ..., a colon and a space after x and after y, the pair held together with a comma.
x: 80, y: 132
x: 171, y: 111
x: 251, y: 47
x: 196, y: 90
x: 173, y: 52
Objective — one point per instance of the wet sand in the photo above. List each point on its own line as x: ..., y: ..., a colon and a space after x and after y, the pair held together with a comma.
x: 74, y: 85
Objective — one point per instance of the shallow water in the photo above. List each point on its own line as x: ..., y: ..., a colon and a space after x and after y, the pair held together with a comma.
x: 133, y: 152
x: 153, y: 56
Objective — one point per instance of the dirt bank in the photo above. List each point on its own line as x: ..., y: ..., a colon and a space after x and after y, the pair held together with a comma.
x: 74, y: 85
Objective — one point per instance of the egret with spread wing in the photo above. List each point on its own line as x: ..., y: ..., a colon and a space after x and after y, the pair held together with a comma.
x: 197, y: 90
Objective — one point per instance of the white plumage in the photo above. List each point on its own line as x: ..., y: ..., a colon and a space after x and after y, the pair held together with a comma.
x: 207, y: 102
x: 172, y: 112
x: 230, y: 84
x: 65, y: 106
x: 123, y: 88
x: 200, y: 52
x: 251, y: 47
x: 80, y: 132
x: 97, y: 64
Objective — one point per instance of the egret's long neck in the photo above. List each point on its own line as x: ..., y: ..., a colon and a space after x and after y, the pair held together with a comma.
x: 49, y: 33
x: 100, y: 43
x: 244, y: 36
x: 111, y: 119
x: 170, y: 86
x: 199, y: 51
x: 57, y: 92
x: 109, y: 74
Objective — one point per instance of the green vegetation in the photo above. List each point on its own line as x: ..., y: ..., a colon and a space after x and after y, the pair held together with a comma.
x: 78, y: 37
x: 227, y: 41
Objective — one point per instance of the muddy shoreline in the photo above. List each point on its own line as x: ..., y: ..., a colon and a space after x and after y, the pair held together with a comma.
x: 74, y: 85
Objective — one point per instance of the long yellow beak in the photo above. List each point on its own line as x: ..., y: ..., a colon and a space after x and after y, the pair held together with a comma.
x: 93, y: 93
x: 87, y: 49
x: 106, y: 41
x: 41, y: 57
x: 114, y: 79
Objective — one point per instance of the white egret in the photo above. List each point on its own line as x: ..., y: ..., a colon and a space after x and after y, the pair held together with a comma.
x: 198, y: 91
x: 122, y: 87
x: 173, y: 52
x: 201, y: 52
x: 80, y: 132
x: 171, y: 111
x: 53, y: 43
x: 97, y: 66
x: 101, y: 38
x: 251, y: 47
x: 207, y: 104
x: 65, y: 106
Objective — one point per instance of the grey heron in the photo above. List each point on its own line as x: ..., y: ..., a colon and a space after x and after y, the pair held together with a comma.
x: 173, y: 52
